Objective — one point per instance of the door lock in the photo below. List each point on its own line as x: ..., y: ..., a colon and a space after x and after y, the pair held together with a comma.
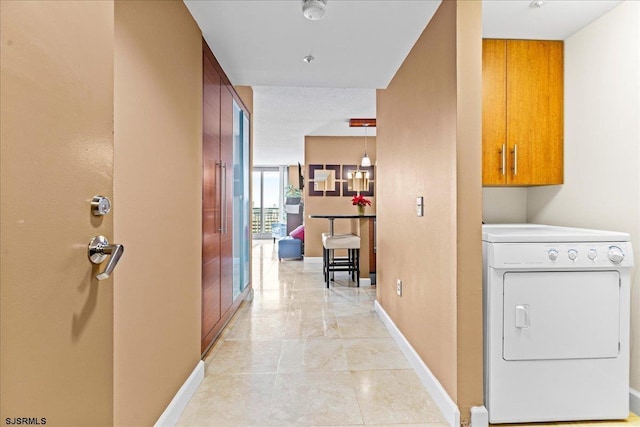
x: 99, y: 250
x: 100, y: 205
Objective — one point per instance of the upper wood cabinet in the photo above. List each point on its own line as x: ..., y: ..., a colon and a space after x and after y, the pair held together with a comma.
x: 522, y: 113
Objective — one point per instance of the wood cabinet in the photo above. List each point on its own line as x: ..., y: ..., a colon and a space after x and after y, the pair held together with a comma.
x: 218, y: 304
x: 522, y: 113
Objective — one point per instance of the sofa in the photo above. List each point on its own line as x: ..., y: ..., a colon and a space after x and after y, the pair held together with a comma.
x: 292, y: 246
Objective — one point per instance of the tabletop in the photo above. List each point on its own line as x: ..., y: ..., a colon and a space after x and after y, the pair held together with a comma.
x: 342, y: 216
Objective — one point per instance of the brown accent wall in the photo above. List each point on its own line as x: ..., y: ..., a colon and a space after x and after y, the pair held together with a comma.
x: 56, y: 115
x: 157, y: 206
x: 428, y: 145
x: 333, y: 150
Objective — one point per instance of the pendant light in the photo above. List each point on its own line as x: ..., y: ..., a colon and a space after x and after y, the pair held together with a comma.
x: 366, y: 161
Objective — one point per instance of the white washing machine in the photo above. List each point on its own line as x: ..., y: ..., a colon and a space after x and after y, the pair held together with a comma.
x: 556, y: 311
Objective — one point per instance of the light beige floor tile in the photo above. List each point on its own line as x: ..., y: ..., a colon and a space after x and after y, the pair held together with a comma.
x: 316, y: 326
x: 395, y: 425
x: 394, y: 396
x: 364, y: 354
x: 347, y: 308
x: 267, y: 303
x: 632, y: 420
x: 300, y: 309
x: 310, y: 295
x: 245, y: 357
x: 259, y: 328
x: 230, y: 400
x: 365, y: 326
x: 349, y: 295
x: 315, y: 371
x: 309, y: 398
x: 307, y: 355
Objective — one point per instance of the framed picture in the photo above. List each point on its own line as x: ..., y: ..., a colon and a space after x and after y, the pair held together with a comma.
x: 312, y: 175
x: 362, y: 184
x: 324, y: 180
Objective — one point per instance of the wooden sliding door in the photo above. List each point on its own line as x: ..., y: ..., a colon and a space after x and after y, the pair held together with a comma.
x: 223, y: 203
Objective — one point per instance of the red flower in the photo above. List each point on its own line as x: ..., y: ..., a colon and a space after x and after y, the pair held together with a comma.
x: 360, y: 201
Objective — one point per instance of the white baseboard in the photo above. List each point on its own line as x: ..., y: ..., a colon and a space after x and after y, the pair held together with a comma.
x: 171, y: 415
x: 479, y: 416
x: 440, y: 396
x: 634, y: 401
x: 365, y: 281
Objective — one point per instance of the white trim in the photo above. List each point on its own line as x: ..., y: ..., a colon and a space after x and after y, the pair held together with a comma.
x: 634, y: 401
x: 171, y: 415
x: 440, y: 396
x: 479, y: 416
x: 365, y: 281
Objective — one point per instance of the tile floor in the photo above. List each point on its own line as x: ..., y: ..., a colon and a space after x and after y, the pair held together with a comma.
x: 301, y: 355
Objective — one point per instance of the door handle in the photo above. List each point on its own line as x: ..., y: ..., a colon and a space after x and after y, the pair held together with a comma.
x: 224, y: 199
x: 503, y: 159
x: 522, y: 316
x: 99, y: 250
x: 219, y: 166
x: 515, y: 159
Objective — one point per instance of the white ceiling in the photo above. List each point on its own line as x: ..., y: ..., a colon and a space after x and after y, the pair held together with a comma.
x: 358, y: 46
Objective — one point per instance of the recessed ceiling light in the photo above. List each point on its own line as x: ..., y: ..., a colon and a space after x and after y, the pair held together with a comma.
x: 308, y: 59
x: 536, y: 4
x: 314, y: 9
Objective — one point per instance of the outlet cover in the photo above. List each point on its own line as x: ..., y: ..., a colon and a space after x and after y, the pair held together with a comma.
x: 399, y: 287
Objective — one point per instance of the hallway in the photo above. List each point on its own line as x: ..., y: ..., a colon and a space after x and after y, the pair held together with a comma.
x: 299, y: 355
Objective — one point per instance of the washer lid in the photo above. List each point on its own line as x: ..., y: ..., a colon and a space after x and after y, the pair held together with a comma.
x: 526, y: 233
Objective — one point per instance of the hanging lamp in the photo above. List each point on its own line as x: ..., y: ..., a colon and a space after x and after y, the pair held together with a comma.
x: 366, y: 161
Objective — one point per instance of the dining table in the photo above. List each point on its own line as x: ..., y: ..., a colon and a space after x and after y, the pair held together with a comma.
x: 333, y: 217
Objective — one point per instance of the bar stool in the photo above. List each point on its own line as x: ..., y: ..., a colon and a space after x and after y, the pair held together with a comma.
x: 331, y: 263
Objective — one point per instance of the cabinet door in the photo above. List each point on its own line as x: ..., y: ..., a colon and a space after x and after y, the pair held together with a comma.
x: 534, y: 112
x: 494, y: 114
x: 210, y: 202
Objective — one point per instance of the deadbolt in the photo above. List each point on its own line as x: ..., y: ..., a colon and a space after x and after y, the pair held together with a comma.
x: 100, y: 205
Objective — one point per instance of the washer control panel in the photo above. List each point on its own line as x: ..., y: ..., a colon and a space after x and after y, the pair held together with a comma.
x: 560, y: 255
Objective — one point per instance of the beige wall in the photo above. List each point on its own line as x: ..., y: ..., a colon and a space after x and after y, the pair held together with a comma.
x: 469, y: 205
x: 56, y: 115
x: 157, y: 205
x: 429, y: 145
x: 331, y: 150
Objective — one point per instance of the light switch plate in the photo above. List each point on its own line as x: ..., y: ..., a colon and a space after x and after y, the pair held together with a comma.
x: 420, y: 206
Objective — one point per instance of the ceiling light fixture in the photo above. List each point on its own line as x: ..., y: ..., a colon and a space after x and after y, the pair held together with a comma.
x: 314, y: 9
x: 308, y: 59
x: 536, y: 4
x: 366, y: 161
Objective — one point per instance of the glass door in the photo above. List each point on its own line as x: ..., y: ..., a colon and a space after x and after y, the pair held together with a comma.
x: 241, y: 225
x: 267, y: 199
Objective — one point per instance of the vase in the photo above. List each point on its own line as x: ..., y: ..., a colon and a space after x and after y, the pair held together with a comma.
x: 360, y: 210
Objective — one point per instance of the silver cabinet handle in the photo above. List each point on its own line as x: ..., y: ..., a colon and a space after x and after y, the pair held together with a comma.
x: 221, y: 189
x: 99, y: 250
x: 515, y: 159
x: 224, y: 200
x: 503, y: 153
